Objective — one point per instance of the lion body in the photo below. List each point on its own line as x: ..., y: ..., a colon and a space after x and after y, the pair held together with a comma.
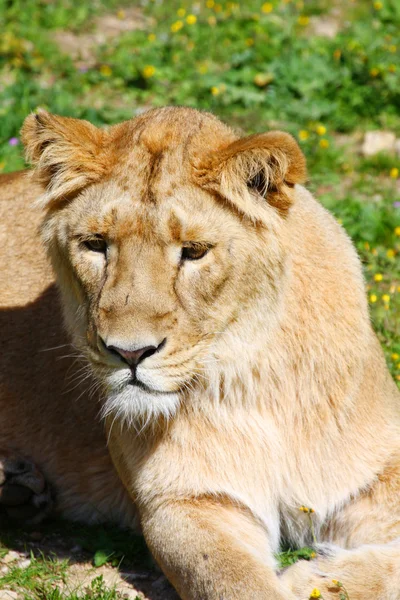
x: 265, y: 389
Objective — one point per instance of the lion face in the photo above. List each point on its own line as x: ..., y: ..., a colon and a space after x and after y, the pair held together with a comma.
x: 162, y: 235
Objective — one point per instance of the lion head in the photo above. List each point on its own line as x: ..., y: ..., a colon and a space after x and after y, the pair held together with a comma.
x: 165, y: 232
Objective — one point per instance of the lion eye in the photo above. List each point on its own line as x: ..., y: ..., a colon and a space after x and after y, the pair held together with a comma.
x: 97, y: 244
x: 194, y: 251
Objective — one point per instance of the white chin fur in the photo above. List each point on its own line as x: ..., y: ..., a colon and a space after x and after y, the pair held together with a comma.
x: 132, y: 404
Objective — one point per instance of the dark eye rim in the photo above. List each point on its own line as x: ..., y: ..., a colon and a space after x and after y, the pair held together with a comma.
x: 96, y: 244
x: 195, y: 251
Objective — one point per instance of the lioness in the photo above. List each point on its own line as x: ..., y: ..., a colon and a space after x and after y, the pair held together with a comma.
x: 222, y: 313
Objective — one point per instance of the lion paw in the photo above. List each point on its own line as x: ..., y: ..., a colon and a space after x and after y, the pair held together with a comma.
x: 365, y: 573
x: 24, y: 494
x: 304, y: 577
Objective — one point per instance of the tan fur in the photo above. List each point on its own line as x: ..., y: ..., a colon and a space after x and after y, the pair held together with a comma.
x: 269, y: 390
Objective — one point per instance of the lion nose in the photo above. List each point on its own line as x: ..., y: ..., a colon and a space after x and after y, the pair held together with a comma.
x: 134, y: 357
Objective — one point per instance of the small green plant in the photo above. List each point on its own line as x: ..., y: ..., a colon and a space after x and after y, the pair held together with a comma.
x: 343, y: 593
x: 309, y: 512
x: 289, y: 557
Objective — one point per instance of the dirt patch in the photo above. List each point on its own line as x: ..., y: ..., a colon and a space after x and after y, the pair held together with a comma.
x: 81, y: 47
x: 131, y: 584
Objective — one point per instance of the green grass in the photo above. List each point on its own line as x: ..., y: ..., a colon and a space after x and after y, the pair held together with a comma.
x: 38, y: 580
x: 47, y: 579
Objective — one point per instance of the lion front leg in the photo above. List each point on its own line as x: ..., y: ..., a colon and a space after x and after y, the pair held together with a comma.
x: 211, y: 551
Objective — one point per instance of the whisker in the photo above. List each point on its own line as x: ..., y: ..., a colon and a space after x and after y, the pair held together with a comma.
x: 54, y: 348
x: 68, y: 356
x: 78, y: 384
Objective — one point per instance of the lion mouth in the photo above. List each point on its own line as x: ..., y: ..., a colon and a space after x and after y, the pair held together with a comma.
x: 135, y: 382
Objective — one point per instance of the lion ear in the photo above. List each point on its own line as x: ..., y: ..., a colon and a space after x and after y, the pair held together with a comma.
x: 67, y: 154
x: 255, y: 170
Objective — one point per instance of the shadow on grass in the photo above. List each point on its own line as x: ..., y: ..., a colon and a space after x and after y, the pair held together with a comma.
x: 92, y: 547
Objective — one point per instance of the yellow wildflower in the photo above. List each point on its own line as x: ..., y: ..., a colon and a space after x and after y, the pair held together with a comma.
x: 378, y: 5
x: 121, y: 14
x: 249, y: 42
x: 175, y: 27
x: 374, y: 72
x: 397, y: 231
x: 395, y: 356
x: 392, y: 48
x: 337, y: 54
x: 148, y: 71
x: 390, y: 253
x: 378, y: 277
x: 181, y: 12
x: 321, y: 130
x: 218, y: 8
x: 191, y: 19
x: 267, y: 7
x: 324, y: 143
x: 2, y: 165
x: 373, y: 298
x: 105, y: 70
x: 394, y: 173
x: 398, y: 288
x: 398, y: 377
x: 17, y: 62
x: 36, y: 62
x: 263, y: 79
x: 210, y: 3
x: 212, y: 21
x: 215, y: 90
x: 386, y: 298
x: 366, y: 245
x: 313, y: 555
x: 392, y: 68
x: 303, y: 20
x: 374, y: 251
x: 315, y: 593
x: 303, y: 135
x: 398, y: 366
x: 151, y: 37
x: 306, y: 509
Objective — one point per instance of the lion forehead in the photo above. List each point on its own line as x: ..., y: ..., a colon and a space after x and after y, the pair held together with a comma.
x: 160, y: 147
